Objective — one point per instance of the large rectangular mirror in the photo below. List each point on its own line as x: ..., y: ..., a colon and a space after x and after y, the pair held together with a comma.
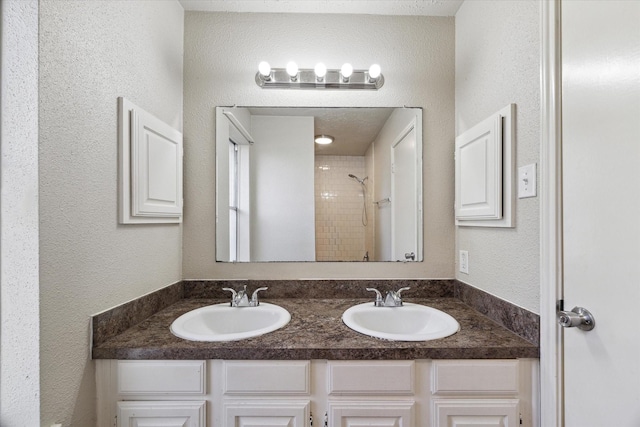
x: 282, y: 197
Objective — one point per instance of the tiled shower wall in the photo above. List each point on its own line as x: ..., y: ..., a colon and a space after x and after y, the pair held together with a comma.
x: 340, y: 233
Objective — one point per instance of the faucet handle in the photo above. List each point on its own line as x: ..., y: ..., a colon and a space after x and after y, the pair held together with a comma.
x: 378, y: 301
x: 233, y: 294
x: 395, y: 298
x: 254, y: 296
x: 402, y: 289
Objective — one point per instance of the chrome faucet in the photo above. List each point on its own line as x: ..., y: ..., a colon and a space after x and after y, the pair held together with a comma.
x: 392, y: 299
x: 240, y: 298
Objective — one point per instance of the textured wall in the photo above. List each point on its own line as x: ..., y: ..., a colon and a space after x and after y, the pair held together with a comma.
x: 19, y: 327
x: 222, y: 51
x: 91, y: 52
x: 497, y: 63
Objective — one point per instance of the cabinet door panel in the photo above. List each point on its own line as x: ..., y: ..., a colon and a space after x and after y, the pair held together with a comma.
x: 272, y: 413
x: 371, y: 413
x: 475, y: 413
x: 266, y: 377
x: 475, y: 377
x: 165, y: 414
x: 371, y: 377
x: 161, y: 377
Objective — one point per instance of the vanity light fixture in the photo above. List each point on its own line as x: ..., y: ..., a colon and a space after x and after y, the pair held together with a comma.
x: 345, y: 72
x: 321, y: 71
x: 264, y: 69
x: 374, y: 73
x: 292, y: 77
x: 324, y: 139
x: 292, y: 70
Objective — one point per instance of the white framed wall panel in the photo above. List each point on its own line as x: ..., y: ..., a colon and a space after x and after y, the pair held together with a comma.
x: 485, y: 172
x: 150, y: 167
x: 165, y: 414
x: 478, y: 174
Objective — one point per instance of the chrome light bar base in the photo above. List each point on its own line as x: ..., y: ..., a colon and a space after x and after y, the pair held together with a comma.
x: 307, y: 79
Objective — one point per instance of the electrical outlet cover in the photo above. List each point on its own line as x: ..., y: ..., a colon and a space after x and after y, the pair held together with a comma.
x: 464, y: 262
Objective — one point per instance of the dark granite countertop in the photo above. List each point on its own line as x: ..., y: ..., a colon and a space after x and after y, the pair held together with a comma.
x: 316, y: 331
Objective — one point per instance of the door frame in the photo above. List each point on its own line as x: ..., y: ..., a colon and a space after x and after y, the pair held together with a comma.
x: 551, y: 257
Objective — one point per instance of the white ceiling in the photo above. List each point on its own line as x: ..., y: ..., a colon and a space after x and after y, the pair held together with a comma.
x: 367, y: 7
x: 354, y: 129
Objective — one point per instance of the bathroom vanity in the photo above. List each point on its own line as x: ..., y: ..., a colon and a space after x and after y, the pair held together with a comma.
x: 242, y: 393
x: 315, y: 371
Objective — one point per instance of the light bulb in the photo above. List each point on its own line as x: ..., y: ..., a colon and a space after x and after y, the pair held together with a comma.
x: 264, y: 68
x: 292, y: 69
x: 321, y: 71
x: 374, y: 71
x: 346, y: 71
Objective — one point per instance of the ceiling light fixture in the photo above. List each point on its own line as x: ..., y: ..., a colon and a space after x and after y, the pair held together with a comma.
x: 292, y: 77
x: 323, y: 139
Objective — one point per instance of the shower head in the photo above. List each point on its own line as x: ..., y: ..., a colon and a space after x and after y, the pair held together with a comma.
x: 361, y: 181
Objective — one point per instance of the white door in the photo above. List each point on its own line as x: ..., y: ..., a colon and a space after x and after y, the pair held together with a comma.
x: 404, y: 190
x: 601, y: 203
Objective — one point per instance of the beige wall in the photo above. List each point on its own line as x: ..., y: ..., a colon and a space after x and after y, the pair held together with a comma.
x: 91, y: 52
x: 498, y: 63
x: 222, y: 51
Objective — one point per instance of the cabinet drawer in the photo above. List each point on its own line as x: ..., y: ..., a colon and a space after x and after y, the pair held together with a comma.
x: 370, y: 378
x: 475, y: 377
x: 266, y: 378
x: 161, y: 377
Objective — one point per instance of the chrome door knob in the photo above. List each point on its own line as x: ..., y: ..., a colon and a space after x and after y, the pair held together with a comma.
x: 578, y: 317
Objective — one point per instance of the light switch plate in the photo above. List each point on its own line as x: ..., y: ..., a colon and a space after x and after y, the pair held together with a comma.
x: 527, y: 181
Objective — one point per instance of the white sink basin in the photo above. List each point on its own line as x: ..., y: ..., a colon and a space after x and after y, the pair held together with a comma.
x: 411, y: 322
x: 221, y: 322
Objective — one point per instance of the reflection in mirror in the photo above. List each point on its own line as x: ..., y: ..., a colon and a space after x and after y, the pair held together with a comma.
x: 281, y: 197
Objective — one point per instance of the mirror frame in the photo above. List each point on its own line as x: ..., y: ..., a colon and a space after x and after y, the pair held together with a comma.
x: 223, y: 133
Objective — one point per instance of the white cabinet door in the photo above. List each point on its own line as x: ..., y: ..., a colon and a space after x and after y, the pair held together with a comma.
x: 165, y: 414
x: 371, y: 413
x: 475, y: 412
x: 272, y: 413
